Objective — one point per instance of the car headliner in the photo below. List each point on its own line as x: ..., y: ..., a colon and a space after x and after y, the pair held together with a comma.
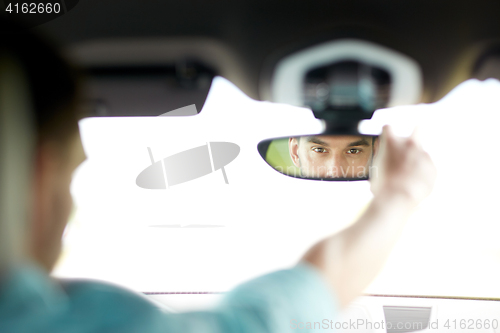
x: 446, y: 37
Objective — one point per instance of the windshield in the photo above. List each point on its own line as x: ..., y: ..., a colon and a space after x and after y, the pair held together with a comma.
x: 230, y: 218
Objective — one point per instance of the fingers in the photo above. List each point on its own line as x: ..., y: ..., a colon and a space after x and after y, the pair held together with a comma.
x: 389, y: 138
x: 402, y: 166
x: 416, y: 133
x: 415, y: 137
x: 388, y: 134
x: 385, y: 136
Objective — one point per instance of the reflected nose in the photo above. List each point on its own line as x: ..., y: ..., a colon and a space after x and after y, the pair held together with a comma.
x: 337, y: 167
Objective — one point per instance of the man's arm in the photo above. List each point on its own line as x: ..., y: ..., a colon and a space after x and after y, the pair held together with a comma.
x: 404, y: 175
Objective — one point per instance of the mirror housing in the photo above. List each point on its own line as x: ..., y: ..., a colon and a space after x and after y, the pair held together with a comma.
x: 327, y: 157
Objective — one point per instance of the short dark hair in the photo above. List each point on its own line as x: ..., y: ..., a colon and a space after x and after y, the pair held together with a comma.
x: 373, y: 139
x: 52, y: 82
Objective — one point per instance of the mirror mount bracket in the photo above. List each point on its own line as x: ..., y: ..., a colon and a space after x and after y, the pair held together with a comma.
x: 341, y: 128
x: 342, y: 122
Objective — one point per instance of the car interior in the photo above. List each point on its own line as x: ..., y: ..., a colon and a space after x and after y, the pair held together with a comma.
x: 234, y: 89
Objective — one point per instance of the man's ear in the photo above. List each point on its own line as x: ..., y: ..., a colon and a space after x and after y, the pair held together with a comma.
x: 46, y: 170
x: 293, y: 147
x: 376, y: 144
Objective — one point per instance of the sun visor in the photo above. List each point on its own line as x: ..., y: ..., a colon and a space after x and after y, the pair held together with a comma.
x: 152, y: 90
x: 488, y: 65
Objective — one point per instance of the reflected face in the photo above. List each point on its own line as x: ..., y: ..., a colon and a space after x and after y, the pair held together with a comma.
x: 332, y: 156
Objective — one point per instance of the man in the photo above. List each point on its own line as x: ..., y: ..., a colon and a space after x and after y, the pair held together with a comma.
x: 327, y: 278
x: 332, y: 156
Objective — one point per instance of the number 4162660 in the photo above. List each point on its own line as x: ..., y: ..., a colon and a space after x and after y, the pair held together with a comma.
x: 33, y: 8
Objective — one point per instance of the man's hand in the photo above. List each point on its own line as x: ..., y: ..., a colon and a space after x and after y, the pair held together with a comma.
x: 403, y: 176
x: 402, y: 167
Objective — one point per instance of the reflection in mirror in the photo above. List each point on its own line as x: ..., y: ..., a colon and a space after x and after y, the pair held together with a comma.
x: 322, y: 157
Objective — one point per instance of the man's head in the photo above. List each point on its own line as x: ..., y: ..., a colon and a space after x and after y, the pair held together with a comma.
x: 58, y: 151
x: 333, y: 156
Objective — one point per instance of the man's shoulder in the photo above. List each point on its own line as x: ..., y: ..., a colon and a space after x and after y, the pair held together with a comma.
x: 31, y: 301
x: 83, y: 292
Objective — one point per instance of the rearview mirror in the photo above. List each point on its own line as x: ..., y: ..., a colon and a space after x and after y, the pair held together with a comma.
x: 322, y: 157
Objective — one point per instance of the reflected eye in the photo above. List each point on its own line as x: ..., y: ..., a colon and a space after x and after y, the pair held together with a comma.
x: 354, y: 151
x: 319, y: 149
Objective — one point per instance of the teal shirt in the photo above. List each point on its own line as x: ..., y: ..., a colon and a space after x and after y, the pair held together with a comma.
x: 289, y: 300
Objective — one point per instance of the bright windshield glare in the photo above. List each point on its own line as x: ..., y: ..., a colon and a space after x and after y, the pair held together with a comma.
x: 245, y: 219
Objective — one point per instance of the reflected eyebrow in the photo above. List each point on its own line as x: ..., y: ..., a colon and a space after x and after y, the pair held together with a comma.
x: 362, y: 142
x: 316, y: 140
